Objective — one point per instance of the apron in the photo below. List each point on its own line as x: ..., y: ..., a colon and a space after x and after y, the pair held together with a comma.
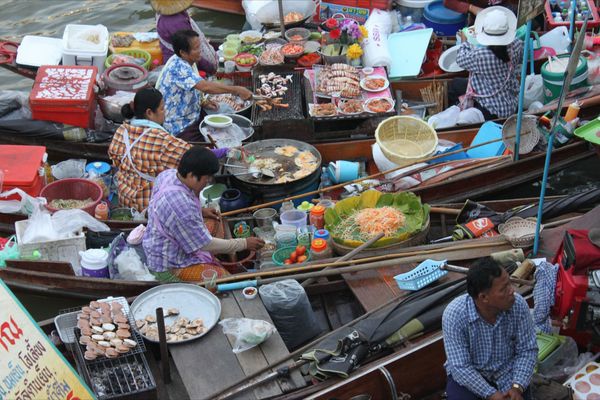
x: 467, y: 100
x: 210, y: 61
x: 201, y: 255
x: 127, y: 155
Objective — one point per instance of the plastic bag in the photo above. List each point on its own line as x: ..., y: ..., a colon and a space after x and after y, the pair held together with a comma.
x: 9, y: 252
x: 470, y: 116
x: 92, y: 39
x: 63, y: 224
x: 534, y: 90
x: 291, y: 312
x: 72, y: 168
x: 14, y: 104
x: 446, y: 119
x: 130, y: 267
x: 24, y: 206
x: 248, y: 332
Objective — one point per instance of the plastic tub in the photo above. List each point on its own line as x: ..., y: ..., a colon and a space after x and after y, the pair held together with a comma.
x: 294, y: 218
x: 92, y: 56
x: 135, y: 53
x: 213, y: 192
x: 94, y: 263
x: 412, y: 8
x: 554, y: 81
x: 442, y: 20
x: 265, y: 217
x: 73, y: 188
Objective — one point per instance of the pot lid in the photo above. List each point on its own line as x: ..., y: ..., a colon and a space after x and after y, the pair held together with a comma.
x: 97, y: 167
x: 125, y: 74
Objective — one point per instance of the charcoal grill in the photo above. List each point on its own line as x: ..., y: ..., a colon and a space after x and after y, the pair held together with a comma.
x: 126, y: 377
x: 293, y: 96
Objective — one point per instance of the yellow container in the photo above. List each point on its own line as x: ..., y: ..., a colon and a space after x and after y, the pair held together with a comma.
x: 152, y: 47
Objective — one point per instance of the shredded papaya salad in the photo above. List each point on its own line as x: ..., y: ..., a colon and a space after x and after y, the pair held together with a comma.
x: 368, y: 222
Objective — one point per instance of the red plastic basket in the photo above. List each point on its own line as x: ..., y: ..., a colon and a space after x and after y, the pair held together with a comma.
x: 594, y: 22
x: 73, y: 188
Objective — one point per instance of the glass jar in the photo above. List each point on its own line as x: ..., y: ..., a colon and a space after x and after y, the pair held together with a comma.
x: 317, y: 217
x: 319, y: 250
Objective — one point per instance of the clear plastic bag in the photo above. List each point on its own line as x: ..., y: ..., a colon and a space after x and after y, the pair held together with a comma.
x: 9, y: 252
x: 130, y: 267
x: 24, y: 206
x: 248, y: 332
x: 14, y: 104
x: 73, y: 168
x: 534, y: 90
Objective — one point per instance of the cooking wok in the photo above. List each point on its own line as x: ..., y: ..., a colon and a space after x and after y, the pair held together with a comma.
x: 269, y: 15
x: 265, y: 149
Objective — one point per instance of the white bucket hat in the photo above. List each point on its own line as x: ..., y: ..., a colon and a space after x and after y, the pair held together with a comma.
x: 495, y: 26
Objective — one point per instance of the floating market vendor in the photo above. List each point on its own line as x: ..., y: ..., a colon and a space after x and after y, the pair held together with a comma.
x: 489, y: 338
x: 176, y: 238
x: 181, y: 85
x: 172, y: 16
x: 142, y: 148
x: 493, y: 84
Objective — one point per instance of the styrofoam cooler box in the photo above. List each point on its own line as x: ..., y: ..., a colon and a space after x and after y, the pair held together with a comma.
x: 20, y: 166
x: 64, y: 94
x: 79, y: 51
x: 586, y: 382
x: 66, y: 250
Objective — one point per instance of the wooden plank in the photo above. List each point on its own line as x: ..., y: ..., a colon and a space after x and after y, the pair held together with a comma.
x: 274, y: 348
x: 57, y: 267
x: 253, y: 359
x: 208, y: 365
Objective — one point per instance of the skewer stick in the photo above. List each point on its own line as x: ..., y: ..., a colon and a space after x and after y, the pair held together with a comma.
x: 358, y: 180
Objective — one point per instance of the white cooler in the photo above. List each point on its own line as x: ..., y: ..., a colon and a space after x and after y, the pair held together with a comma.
x: 79, y: 51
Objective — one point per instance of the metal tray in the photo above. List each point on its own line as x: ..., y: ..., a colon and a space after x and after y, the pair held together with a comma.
x: 191, y: 300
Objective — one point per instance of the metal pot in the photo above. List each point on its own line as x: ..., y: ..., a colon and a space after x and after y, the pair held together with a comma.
x: 127, y: 77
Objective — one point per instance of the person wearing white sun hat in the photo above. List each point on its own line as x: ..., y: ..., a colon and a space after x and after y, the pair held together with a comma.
x: 493, y: 84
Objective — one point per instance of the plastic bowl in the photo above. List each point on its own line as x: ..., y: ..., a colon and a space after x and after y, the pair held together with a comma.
x: 218, y: 120
x: 248, y: 37
x: 368, y: 70
x: 73, y: 188
x: 245, y: 66
x: 283, y: 254
x: 297, y: 35
x: 250, y: 292
x: 312, y: 47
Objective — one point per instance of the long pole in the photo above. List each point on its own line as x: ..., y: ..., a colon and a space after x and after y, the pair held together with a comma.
x: 522, y: 91
x: 375, y: 175
x: 573, y: 62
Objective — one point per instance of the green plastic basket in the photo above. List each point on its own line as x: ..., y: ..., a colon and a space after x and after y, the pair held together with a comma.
x: 135, y: 53
x: 284, y: 253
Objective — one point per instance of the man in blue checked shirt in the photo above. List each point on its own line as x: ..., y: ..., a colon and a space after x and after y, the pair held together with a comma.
x: 489, y: 338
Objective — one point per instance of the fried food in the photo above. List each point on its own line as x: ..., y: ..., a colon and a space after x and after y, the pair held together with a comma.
x: 288, y: 151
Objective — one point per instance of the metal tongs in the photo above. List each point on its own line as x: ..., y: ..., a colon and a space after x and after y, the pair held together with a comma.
x: 256, y: 173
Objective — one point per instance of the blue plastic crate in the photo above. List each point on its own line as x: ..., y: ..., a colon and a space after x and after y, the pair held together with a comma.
x: 424, y: 274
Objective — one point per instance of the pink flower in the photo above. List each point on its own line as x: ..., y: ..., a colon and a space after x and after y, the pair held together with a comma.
x: 335, y: 34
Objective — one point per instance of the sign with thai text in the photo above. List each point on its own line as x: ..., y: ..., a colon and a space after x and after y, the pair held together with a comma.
x: 329, y: 10
x: 30, y: 366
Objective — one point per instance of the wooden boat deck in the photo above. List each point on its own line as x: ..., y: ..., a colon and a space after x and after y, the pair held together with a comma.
x: 221, y: 366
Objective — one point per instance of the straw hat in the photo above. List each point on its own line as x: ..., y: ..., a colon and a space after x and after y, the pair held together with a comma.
x: 495, y: 26
x: 170, y: 7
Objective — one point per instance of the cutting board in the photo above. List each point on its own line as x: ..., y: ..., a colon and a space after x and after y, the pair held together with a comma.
x: 407, y: 50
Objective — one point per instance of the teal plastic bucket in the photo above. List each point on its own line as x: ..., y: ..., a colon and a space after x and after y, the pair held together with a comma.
x: 554, y: 81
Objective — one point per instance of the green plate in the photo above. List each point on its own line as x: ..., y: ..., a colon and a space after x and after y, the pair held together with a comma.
x: 590, y: 131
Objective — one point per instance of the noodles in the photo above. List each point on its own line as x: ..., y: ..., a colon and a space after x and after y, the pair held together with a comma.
x: 368, y: 222
x: 67, y: 204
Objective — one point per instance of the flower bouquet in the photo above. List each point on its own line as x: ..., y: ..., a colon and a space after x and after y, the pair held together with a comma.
x: 342, y: 41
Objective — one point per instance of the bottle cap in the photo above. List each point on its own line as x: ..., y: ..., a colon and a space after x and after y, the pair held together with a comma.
x: 305, y: 206
x: 318, y: 245
x: 318, y: 210
x: 321, y: 234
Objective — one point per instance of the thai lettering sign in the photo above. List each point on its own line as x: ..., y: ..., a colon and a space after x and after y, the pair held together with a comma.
x: 329, y: 10
x: 30, y: 366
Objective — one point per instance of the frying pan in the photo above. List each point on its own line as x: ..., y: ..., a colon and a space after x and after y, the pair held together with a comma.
x: 265, y: 149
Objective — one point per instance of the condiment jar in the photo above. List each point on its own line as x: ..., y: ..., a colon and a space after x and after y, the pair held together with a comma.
x: 101, y: 211
x: 323, y: 234
x: 317, y: 217
x: 319, y: 250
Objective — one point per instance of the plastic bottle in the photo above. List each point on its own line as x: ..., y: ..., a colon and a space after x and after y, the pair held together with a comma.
x: 101, y: 211
x: 319, y: 250
x: 325, y: 179
x: 317, y: 217
x: 572, y: 111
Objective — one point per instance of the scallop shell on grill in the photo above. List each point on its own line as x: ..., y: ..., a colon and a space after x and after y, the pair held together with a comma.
x: 122, y: 349
x: 123, y: 333
x: 116, y: 341
x: 123, y: 326
x: 111, y: 353
x: 129, y: 343
x: 90, y: 355
x: 120, y: 319
x: 104, y: 343
x: 172, y: 311
x: 109, y: 335
x: 150, y: 318
x: 108, y: 327
x: 97, y: 329
x: 84, y: 339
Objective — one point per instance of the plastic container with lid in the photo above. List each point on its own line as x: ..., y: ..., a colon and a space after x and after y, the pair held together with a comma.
x: 317, y: 217
x: 78, y: 51
x: 94, y: 263
x: 319, y: 249
x: 101, y: 211
x: 20, y: 168
x: 442, y: 20
x: 293, y: 218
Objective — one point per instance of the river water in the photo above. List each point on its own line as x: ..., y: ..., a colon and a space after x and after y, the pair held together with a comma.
x: 49, y: 17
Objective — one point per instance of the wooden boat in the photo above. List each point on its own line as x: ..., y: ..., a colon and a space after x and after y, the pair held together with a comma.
x: 225, y: 6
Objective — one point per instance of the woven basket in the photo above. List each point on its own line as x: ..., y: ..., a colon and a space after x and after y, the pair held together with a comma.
x: 518, y: 231
x: 530, y: 134
x: 405, y: 140
x: 135, y: 53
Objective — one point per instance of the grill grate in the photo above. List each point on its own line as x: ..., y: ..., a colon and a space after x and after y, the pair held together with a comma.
x: 293, y: 97
x: 115, y: 378
x: 66, y: 323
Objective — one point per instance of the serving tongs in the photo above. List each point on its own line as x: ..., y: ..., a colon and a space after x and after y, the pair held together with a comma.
x: 256, y: 173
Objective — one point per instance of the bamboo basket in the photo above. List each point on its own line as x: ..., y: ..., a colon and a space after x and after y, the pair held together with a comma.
x: 405, y: 140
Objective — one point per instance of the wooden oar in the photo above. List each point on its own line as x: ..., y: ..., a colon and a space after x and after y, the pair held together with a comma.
x: 386, y: 260
x: 358, y: 180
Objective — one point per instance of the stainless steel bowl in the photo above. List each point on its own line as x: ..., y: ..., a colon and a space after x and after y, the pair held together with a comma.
x: 110, y: 109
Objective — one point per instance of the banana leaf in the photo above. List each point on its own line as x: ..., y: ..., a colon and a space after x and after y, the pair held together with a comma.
x: 416, y: 214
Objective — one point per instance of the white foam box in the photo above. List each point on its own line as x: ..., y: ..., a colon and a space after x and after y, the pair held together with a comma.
x: 586, y: 382
x: 87, y: 56
x: 66, y: 250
